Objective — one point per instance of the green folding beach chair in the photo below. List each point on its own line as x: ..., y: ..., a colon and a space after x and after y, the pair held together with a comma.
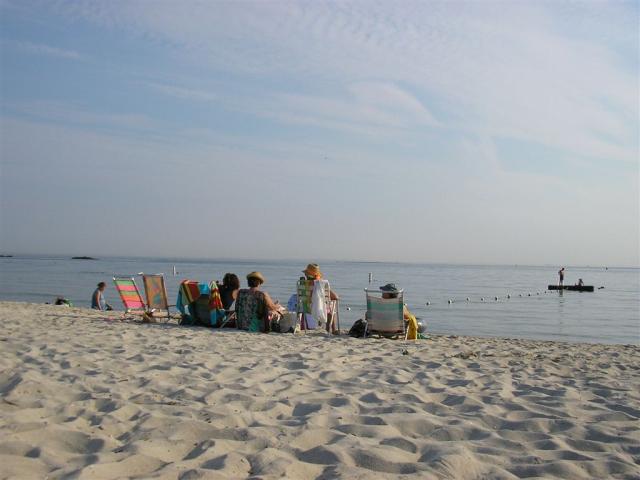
x: 304, y: 290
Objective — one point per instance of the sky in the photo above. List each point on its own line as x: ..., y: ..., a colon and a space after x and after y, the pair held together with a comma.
x: 459, y: 132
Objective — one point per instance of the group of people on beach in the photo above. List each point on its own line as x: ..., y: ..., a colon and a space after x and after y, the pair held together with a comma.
x: 251, y: 306
x: 253, y: 309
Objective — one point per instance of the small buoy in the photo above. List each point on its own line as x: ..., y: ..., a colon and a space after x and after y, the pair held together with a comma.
x: 348, y: 309
x: 537, y: 293
x: 450, y: 301
x: 519, y: 294
x: 508, y: 296
x: 428, y: 303
x: 496, y: 299
x: 482, y: 299
x: 468, y: 299
x: 529, y: 294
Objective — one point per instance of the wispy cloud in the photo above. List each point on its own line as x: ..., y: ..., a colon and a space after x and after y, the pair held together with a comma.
x: 76, y: 115
x: 369, y: 108
x: 184, y: 93
x: 520, y: 70
x: 47, y: 50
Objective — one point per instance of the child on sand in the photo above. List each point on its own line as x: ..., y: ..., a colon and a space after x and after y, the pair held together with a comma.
x: 98, y: 301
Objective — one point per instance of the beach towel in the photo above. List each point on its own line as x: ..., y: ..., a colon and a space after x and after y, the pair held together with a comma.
x: 191, y: 290
x: 215, y: 301
x: 318, y: 304
x: 412, y: 325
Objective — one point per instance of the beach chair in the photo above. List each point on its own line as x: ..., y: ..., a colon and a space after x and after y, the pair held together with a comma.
x: 304, y: 291
x: 385, y: 315
x: 200, y: 304
x: 155, y: 291
x: 129, y: 294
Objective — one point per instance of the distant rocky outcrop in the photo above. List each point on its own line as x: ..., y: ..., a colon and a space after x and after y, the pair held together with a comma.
x: 83, y: 258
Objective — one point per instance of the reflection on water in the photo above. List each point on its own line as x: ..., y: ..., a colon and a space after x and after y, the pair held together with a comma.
x: 561, y: 330
x: 524, y: 308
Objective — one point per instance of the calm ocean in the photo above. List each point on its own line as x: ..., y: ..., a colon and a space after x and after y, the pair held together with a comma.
x: 609, y: 315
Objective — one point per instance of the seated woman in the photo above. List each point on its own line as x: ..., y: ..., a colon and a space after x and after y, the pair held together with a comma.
x: 229, y: 290
x: 312, y: 272
x: 254, y: 308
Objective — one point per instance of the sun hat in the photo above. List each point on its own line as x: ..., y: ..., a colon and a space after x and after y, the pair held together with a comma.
x: 257, y: 275
x: 313, y: 270
x: 389, y: 287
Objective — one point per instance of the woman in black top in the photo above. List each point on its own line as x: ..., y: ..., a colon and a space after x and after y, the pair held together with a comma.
x: 229, y: 290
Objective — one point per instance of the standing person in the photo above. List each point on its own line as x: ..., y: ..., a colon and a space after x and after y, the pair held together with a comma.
x: 254, y: 308
x: 98, y: 301
x: 561, y: 277
x: 312, y: 272
x: 229, y: 290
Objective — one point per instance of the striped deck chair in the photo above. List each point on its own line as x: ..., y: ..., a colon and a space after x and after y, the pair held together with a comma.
x: 385, y: 316
x: 304, y: 290
x: 155, y: 291
x: 129, y: 294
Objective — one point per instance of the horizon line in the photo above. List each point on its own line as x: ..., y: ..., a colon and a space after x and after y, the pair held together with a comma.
x: 306, y: 261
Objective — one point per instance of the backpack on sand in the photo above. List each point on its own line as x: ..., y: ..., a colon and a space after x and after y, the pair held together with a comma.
x: 359, y: 329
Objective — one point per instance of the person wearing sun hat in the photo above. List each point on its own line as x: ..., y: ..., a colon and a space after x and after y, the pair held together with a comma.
x: 313, y: 272
x: 254, y: 307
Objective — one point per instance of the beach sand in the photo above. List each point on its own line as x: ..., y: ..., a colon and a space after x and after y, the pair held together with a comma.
x: 84, y: 395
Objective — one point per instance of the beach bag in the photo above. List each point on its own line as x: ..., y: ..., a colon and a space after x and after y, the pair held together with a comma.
x: 359, y: 329
x: 288, y: 322
x: 275, y: 325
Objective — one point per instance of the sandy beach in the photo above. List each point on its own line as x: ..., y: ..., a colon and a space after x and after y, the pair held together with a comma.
x: 85, y: 395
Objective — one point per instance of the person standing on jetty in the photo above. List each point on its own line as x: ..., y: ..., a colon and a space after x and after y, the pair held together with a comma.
x: 561, y: 277
x: 97, y: 299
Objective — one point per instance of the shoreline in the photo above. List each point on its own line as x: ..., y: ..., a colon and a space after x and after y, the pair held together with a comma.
x: 91, y: 398
x: 117, y: 315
